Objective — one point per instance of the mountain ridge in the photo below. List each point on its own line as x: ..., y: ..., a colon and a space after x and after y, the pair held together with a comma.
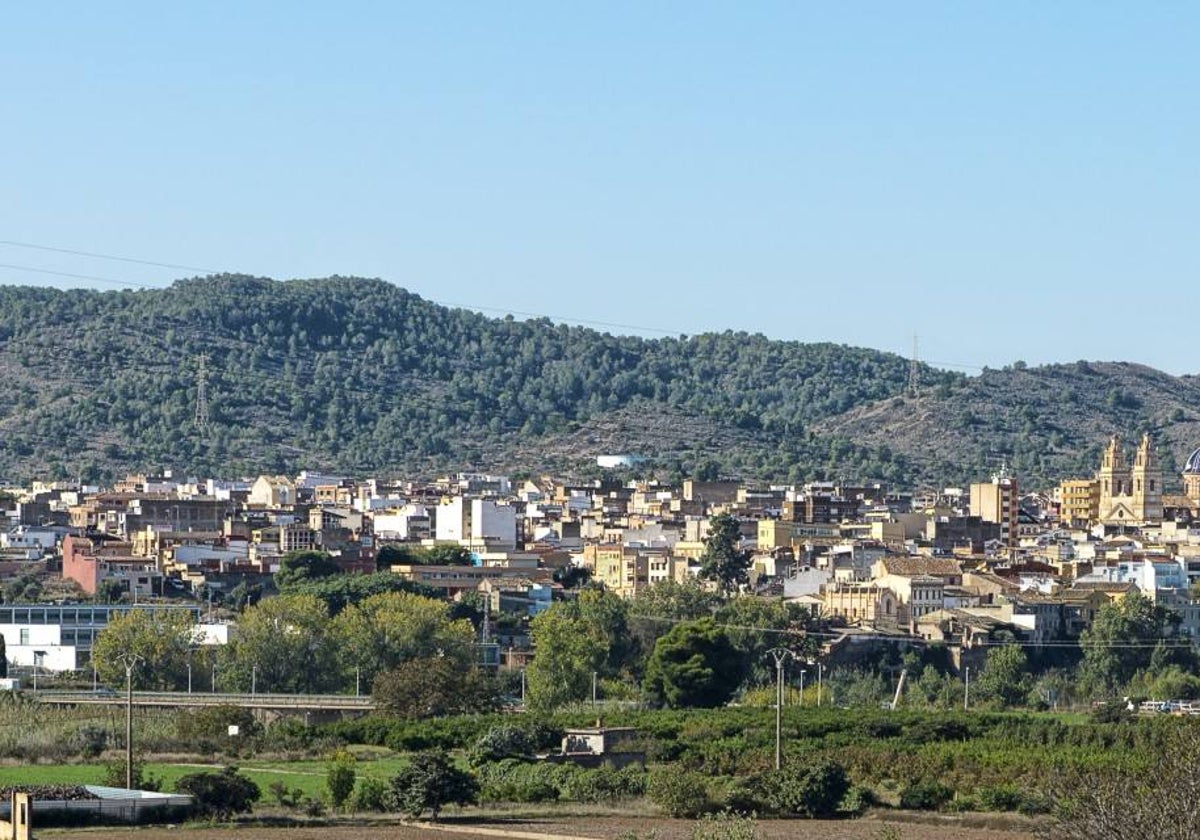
x: 358, y: 375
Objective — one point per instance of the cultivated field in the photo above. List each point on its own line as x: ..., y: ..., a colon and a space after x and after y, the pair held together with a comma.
x: 584, y: 827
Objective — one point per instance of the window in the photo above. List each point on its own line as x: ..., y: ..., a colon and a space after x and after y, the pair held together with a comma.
x: 24, y: 636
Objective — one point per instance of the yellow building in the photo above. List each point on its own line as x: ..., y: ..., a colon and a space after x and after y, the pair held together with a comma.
x: 625, y: 570
x: 1080, y: 505
x: 774, y: 533
x: 859, y: 602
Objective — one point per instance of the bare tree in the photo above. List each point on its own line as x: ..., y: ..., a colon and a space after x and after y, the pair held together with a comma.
x: 1160, y: 803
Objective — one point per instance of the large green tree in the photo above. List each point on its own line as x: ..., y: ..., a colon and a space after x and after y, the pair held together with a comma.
x: 385, y: 630
x: 162, y: 642
x: 298, y: 567
x: 1005, y: 680
x: 694, y: 665
x: 572, y: 641
x: 340, y: 591
x: 405, y: 554
x: 653, y: 611
x: 433, y: 686
x: 282, y: 645
x: 724, y: 561
x: 1128, y: 636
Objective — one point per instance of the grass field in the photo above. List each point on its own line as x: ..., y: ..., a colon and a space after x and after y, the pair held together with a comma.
x: 308, y: 776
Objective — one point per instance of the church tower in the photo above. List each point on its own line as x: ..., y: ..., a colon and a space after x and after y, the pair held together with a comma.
x: 1147, y: 483
x: 1114, y: 472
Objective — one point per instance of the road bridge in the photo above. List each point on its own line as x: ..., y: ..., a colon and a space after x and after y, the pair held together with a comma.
x: 269, y: 705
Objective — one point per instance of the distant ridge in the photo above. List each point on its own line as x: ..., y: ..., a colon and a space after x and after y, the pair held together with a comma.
x: 359, y: 376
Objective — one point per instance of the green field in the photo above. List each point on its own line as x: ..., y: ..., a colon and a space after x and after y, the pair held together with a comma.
x: 308, y: 776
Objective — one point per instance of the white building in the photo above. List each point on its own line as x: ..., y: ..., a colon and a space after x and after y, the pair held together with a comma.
x: 476, y: 522
x: 410, y: 522
x: 59, y: 637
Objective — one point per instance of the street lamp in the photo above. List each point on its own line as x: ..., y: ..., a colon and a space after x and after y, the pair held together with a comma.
x: 802, y: 673
x: 129, y: 661
x: 780, y: 656
x: 254, y: 679
x: 820, y: 687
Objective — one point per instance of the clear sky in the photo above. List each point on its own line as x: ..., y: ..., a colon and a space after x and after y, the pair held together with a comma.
x: 1008, y: 180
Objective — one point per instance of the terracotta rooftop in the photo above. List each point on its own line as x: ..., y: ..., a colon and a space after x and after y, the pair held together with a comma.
x: 919, y: 566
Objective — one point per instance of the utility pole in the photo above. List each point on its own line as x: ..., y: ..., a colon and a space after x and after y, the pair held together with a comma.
x: 967, y: 690
x: 129, y: 661
x: 914, y: 371
x: 820, y: 687
x: 802, y: 673
x: 254, y: 679
x: 780, y: 655
x: 593, y: 689
x: 202, y: 393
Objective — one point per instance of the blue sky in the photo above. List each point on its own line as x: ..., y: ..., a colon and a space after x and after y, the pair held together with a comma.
x: 1006, y: 180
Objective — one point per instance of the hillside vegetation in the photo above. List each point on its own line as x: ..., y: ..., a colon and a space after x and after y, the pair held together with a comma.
x: 355, y: 376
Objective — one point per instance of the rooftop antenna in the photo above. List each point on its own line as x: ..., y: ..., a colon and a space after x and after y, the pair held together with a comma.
x: 914, y: 370
x: 202, y: 393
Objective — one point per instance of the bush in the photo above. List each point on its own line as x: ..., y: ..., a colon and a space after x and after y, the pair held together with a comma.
x: 925, y: 796
x: 220, y: 795
x: 681, y: 793
x: 208, y: 727
x: 370, y: 795
x: 114, y: 775
x: 856, y: 801
x: 605, y: 785
x: 1000, y: 798
x: 725, y: 825
x: 501, y: 742
x: 285, y: 797
x: 289, y: 735
x: 814, y: 791
x: 89, y: 740
x: 1113, y: 711
x: 339, y: 778
x: 511, y: 780
x: 429, y: 782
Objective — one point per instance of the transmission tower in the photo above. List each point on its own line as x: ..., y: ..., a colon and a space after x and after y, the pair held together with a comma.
x: 202, y: 393
x: 914, y: 371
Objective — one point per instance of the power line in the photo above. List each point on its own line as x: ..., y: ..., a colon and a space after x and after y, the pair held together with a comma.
x: 99, y: 256
x: 137, y: 261
x: 181, y: 266
x: 1145, y: 644
x: 91, y: 277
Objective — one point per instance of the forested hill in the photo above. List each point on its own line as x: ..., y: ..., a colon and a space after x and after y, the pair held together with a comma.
x: 359, y: 376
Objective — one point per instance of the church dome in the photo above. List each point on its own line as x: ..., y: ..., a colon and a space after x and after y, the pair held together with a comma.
x: 1193, y: 463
